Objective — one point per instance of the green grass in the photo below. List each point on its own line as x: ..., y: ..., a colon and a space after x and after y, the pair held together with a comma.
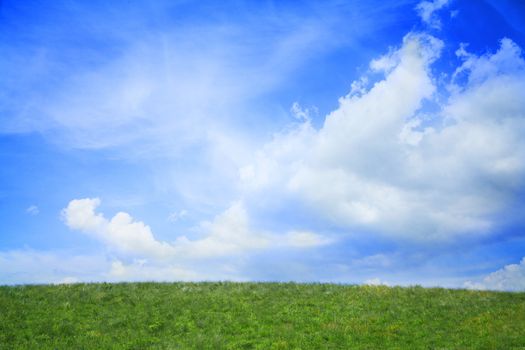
x: 257, y: 316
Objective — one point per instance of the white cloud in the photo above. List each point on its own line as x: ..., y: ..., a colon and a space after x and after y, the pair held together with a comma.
x: 33, y: 210
x: 509, y: 278
x: 177, y: 215
x: 227, y: 235
x: 299, y: 113
x: 134, y: 253
x: 376, y: 282
x: 427, y: 9
x: 144, y: 270
x: 141, y: 271
x: 122, y: 232
x: 30, y: 266
x: 384, y: 64
x: 380, y: 164
x: 68, y: 280
x: 480, y: 69
x: 305, y: 239
x: 230, y: 234
x: 373, y: 261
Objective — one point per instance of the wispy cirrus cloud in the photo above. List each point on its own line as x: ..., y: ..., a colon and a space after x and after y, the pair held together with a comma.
x: 157, y: 84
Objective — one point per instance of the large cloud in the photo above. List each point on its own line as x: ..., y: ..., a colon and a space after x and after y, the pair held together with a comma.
x: 379, y: 163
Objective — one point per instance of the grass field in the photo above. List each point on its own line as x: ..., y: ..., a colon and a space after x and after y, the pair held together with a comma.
x: 257, y: 316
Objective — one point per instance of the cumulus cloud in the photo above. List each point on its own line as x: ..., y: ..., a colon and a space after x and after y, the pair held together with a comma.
x: 509, y: 278
x: 427, y: 9
x: 228, y: 234
x: 122, y: 232
x: 378, y: 163
x: 479, y: 69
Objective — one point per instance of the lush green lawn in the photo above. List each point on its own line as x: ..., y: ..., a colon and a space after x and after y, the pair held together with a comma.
x: 257, y: 316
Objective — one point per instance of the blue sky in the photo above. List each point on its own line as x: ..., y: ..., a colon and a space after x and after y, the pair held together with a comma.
x: 375, y: 142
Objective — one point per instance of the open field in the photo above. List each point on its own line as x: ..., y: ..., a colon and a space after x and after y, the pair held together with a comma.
x: 257, y: 316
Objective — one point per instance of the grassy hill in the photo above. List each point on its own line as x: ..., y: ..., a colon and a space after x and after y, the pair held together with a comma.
x: 257, y: 316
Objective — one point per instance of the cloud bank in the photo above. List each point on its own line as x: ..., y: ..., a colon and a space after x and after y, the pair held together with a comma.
x: 417, y: 159
x: 379, y: 164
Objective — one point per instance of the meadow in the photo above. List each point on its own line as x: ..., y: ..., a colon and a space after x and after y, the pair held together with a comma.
x: 227, y: 315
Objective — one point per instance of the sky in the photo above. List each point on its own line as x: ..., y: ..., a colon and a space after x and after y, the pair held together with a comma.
x: 356, y: 142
